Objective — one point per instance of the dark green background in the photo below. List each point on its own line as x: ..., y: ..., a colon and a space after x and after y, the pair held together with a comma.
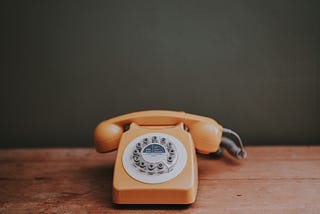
x: 251, y: 65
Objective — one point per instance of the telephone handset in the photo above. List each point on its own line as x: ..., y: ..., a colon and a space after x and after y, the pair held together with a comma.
x: 156, y: 160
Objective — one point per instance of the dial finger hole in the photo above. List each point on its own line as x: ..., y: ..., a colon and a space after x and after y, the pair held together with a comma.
x: 136, y: 158
x: 160, y: 165
x: 151, y: 166
x: 136, y: 152
x: 170, y: 159
x: 171, y: 151
x: 142, y: 164
x: 154, y: 139
x: 138, y: 145
x: 163, y: 140
x: 145, y: 140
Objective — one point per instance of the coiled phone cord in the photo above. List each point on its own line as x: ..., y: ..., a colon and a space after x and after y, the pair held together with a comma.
x: 235, y: 149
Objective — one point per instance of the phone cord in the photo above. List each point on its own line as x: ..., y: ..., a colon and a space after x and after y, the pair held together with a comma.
x: 235, y: 149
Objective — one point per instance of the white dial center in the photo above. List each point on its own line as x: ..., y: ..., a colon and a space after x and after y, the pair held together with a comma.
x: 154, y: 158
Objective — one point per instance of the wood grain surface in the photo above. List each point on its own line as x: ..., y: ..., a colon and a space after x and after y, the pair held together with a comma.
x: 271, y: 180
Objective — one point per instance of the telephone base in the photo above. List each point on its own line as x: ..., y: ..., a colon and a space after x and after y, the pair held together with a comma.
x: 178, y: 186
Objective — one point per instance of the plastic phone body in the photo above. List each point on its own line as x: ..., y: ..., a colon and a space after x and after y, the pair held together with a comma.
x: 156, y: 157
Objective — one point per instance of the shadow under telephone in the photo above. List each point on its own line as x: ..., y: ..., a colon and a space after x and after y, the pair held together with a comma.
x: 156, y: 154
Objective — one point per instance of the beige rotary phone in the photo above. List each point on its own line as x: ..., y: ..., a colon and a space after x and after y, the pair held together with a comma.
x: 156, y: 158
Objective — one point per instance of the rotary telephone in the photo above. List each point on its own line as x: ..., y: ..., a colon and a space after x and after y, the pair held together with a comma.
x: 156, y: 158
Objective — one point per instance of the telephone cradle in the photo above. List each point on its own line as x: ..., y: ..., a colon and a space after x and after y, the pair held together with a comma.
x: 156, y: 154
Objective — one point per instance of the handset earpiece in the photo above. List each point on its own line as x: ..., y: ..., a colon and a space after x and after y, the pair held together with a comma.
x: 107, y: 136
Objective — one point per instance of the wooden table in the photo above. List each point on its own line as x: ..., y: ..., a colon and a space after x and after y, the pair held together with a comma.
x: 270, y: 180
